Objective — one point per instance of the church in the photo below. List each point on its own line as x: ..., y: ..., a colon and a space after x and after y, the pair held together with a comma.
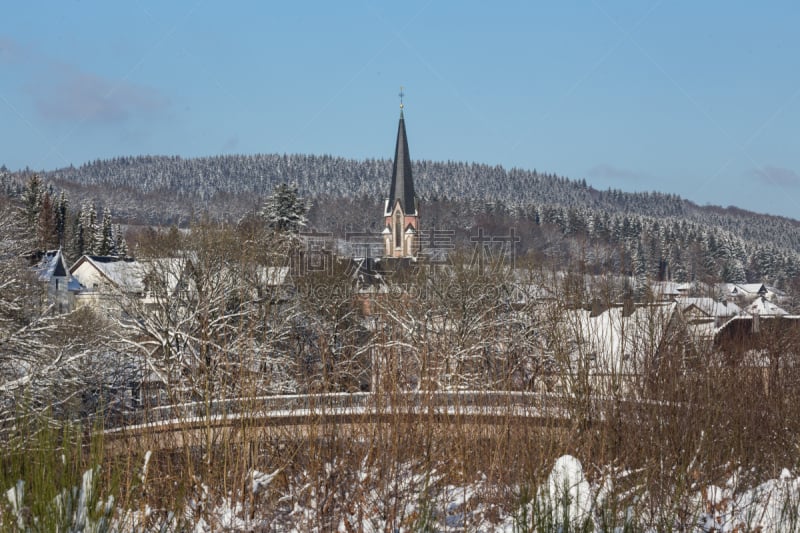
x: 401, y: 208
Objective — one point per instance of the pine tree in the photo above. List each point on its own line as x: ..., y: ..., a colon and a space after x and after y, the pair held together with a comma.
x: 640, y: 268
x: 86, y: 230
x: 78, y: 246
x: 677, y: 266
x: 104, y: 235
x: 32, y: 198
x: 46, y: 224
x: 62, y: 212
x: 733, y: 272
x: 284, y: 211
x: 120, y: 246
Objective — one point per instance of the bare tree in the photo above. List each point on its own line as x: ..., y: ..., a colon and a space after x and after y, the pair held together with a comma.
x: 48, y: 362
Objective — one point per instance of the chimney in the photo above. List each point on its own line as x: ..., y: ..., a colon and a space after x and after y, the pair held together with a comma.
x: 628, y: 307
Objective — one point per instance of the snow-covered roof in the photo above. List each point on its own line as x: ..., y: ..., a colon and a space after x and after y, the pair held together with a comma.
x: 752, y: 288
x: 670, y: 288
x: 274, y: 275
x: 763, y: 307
x: 52, y: 264
x: 127, y: 275
x: 619, y: 341
x: 741, y: 289
x: 710, y: 306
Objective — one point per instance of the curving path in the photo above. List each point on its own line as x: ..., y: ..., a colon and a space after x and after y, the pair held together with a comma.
x: 307, y: 416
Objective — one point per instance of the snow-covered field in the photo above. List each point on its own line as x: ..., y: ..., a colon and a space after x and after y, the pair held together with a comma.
x: 422, y: 501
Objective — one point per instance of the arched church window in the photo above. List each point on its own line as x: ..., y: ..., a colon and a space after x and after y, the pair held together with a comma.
x: 398, y: 229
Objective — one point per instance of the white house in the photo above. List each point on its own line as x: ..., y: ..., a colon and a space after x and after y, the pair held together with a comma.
x: 619, y: 342
x: 703, y: 315
x: 104, y: 279
x: 51, y: 269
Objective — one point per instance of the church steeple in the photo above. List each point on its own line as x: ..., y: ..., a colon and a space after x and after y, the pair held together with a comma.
x: 402, y: 188
x: 401, y: 213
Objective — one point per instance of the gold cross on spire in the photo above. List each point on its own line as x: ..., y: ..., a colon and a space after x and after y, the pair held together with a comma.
x: 402, y: 94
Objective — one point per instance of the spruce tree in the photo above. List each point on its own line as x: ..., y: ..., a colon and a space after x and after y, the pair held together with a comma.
x: 284, y: 211
x: 46, y: 225
x: 62, y: 212
x: 120, y: 246
x: 87, y: 229
x: 104, y: 237
x: 32, y: 198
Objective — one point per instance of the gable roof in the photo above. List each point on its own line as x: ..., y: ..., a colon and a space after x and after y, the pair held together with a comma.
x: 125, y: 274
x: 52, y: 264
x: 742, y: 289
x: 763, y: 307
x: 619, y: 341
x: 669, y: 288
x: 710, y: 307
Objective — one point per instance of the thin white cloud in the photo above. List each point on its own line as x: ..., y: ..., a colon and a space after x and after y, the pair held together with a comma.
x: 777, y: 176
x: 64, y: 92
x: 74, y: 95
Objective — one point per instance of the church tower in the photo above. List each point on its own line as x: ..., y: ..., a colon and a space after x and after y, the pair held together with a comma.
x: 401, y: 210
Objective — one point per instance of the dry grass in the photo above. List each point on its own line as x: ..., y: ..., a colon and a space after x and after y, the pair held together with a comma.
x: 688, y: 418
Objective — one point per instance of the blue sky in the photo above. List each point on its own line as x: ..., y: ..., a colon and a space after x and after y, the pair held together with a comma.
x: 701, y: 99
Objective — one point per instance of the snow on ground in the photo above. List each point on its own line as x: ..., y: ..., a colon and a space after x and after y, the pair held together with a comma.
x: 415, y: 500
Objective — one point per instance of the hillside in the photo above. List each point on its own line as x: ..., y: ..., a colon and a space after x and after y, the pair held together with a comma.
x: 658, y: 230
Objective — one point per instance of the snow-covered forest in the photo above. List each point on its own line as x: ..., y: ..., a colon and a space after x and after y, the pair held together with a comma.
x: 646, y: 232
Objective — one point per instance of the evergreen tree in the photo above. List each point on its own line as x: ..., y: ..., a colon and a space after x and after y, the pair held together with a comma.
x: 284, y: 211
x: 78, y: 246
x: 32, y: 198
x: 120, y: 246
x: 733, y: 272
x: 62, y: 212
x: 46, y: 224
x: 677, y: 266
x: 640, y: 269
x: 87, y: 229
x: 104, y: 235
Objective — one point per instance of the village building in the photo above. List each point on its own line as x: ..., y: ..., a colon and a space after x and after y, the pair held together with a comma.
x: 50, y: 268
x: 104, y: 280
x: 704, y: 315
x: 401, y: 208
x: 746, y: 293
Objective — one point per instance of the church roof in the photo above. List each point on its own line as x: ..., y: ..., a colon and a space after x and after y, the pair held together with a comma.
x: 51, y: 265
x: 402, y: 188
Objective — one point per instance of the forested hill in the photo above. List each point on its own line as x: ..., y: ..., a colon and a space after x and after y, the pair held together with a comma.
x: 192, y: 183
x: 171, y: 189
x: 315, y: 176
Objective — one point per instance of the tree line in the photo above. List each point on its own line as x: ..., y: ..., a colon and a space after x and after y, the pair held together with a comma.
x: 659, y: 234
x: 55, y: 225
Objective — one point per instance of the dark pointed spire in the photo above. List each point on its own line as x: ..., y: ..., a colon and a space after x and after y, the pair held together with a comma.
x: 402, y: 182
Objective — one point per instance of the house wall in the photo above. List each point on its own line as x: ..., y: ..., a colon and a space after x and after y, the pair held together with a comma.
x: 99, y: 292
x: 89, y: 277
x: 59, y: 295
